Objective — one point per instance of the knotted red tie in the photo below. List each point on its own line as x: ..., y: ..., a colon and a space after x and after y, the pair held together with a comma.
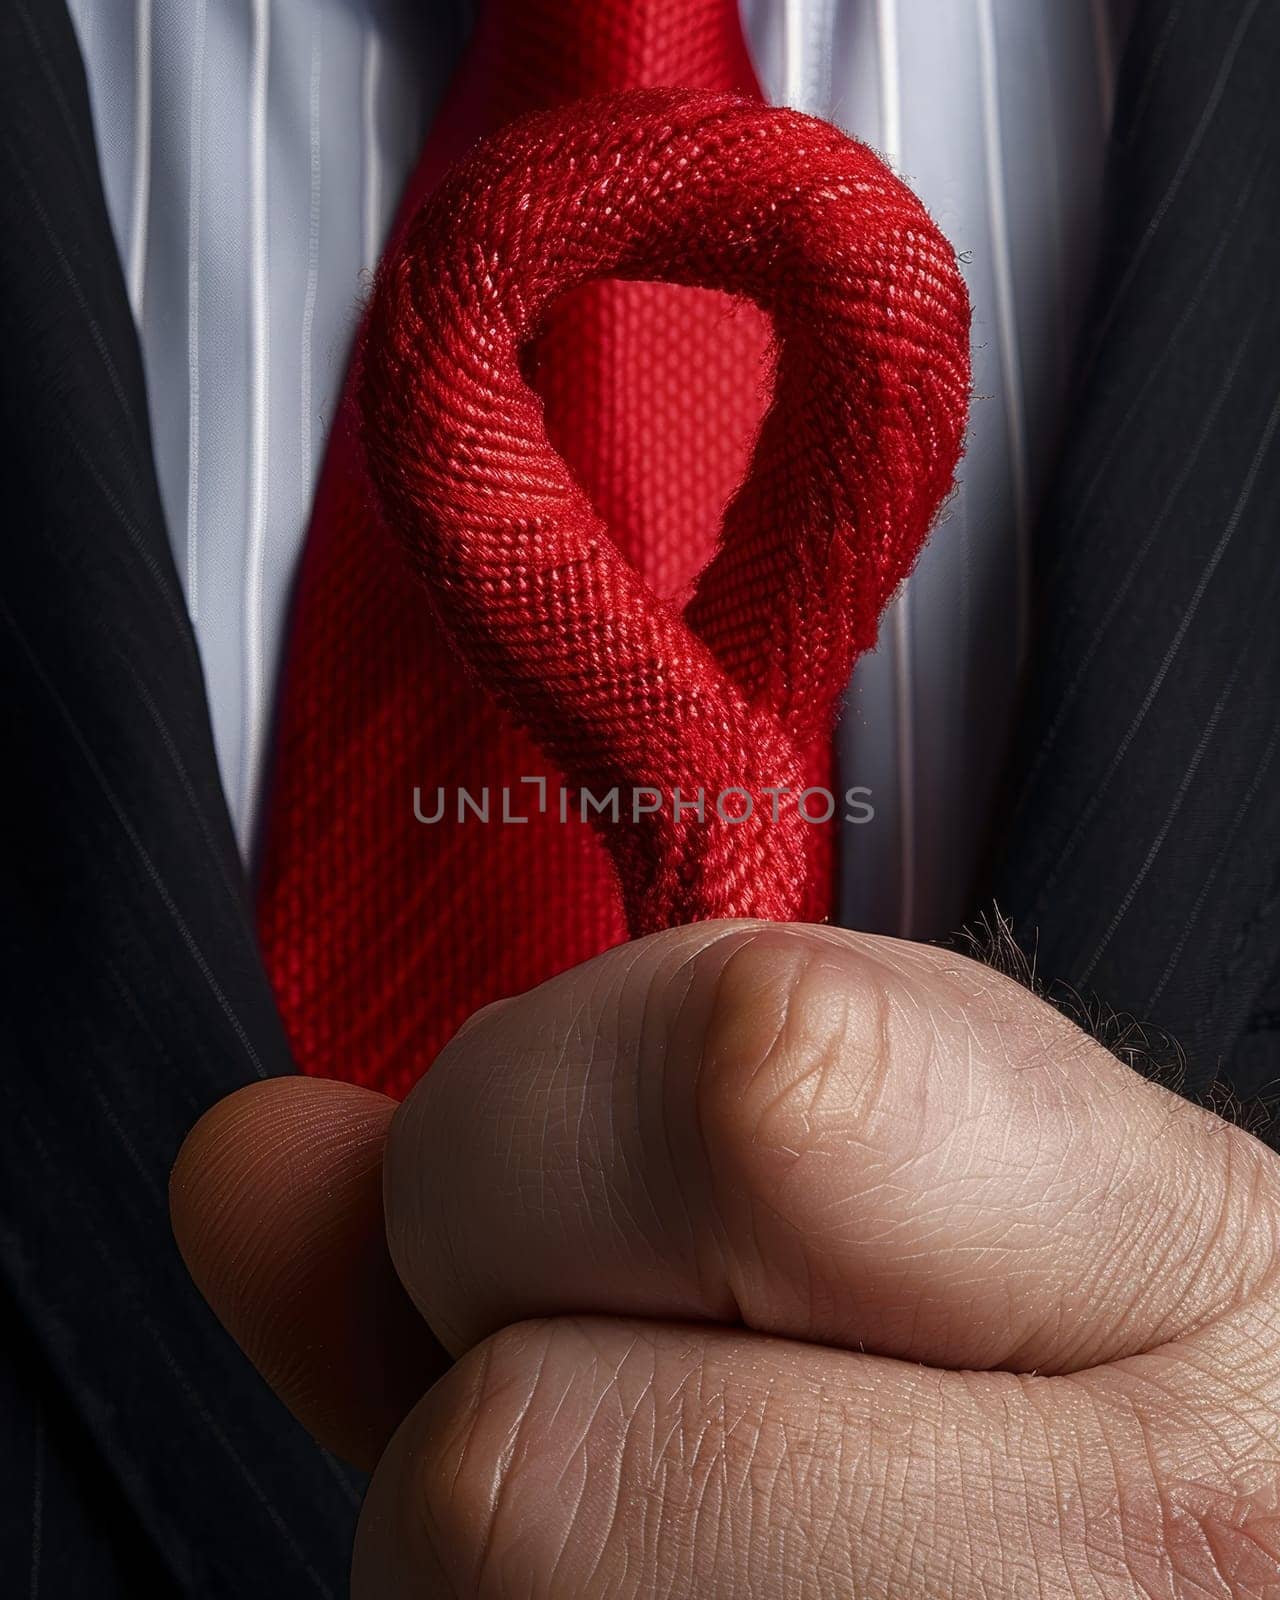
x: 554, y: 447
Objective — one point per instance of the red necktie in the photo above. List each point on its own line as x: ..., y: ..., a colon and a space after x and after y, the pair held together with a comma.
x: 556, y: 450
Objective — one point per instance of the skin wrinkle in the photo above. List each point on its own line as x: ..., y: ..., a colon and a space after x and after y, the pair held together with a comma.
x: 580, y: 1460
x: 819, y: 1061
x: 574, y: 1035
x: 713, y: 1136
x: 709, y: 1271
x: 655, y: 1059
x: 1191, y: 1460
x: 413, y: 1499
x: 1227, y: 1238
x: 656, y: 1168
x: 721, y: 1130
x: 504, y: 1478
x: 1162, y: 1548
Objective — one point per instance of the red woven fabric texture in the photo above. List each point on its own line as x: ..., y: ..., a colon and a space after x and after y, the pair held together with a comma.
x: 567, y: 444
x: 619, y: 687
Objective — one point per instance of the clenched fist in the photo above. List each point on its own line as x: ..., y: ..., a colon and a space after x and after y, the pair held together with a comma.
x: 771, y: 1262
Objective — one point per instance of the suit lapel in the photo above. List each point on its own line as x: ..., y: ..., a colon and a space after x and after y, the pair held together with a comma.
x: 133, y: 993
x: 1141, y: 856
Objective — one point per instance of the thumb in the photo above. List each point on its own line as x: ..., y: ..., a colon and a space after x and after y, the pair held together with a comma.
x: 276, y: 1203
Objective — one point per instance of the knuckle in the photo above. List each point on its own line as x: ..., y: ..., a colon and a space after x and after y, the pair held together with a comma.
x: 509, y: 1482
x: 795, y: 1070
x: 806, y: 1096
x: 475, y: 1434
x: 1218, y: 1532
x: 593, y: 1458
x: 1197, y: 1459
x: 1233, y: 1546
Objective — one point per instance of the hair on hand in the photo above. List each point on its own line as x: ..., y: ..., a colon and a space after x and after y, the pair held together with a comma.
x: 1148, y: 1049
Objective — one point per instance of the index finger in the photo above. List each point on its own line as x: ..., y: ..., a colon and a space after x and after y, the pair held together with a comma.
x: 824, y: 1135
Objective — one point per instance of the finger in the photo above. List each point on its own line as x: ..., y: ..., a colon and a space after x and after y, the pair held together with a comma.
x: 277, y: 1208
x: 824, y: 1135
x: 605, y: 1458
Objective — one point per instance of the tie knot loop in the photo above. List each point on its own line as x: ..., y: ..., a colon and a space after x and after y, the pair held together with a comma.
x: 622, y: 689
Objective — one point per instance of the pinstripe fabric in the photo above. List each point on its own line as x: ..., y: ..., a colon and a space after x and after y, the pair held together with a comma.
x: 252, y: 153
x: 65, y: 1529
x: 1142, y: 857
x: 996, y: 110
x: 133, y: 1434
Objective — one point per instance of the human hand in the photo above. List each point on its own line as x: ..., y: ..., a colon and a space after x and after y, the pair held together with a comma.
x: 777, y: 1262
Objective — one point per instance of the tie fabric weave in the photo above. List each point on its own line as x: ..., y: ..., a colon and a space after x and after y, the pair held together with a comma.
x: 555, y: 446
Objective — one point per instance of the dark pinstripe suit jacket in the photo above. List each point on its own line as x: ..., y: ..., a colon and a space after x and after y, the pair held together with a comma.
x: 1139, y: 848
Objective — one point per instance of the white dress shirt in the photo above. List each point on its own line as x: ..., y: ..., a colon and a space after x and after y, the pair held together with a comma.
x: 252, y: 155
